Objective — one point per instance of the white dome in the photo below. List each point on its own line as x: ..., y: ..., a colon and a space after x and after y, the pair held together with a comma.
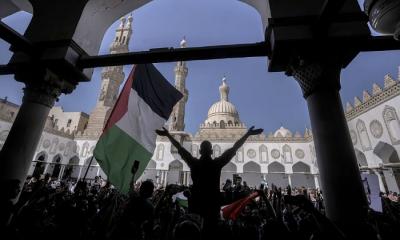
x: 282, y: 132
x: 223, y: 110
x: 223, y: 107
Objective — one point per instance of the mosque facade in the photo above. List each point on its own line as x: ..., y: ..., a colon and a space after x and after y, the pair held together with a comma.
x: 281, y: 158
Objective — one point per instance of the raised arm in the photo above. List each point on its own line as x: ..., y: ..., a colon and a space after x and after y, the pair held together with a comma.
x: 230, y: 153
x: 186, y: 156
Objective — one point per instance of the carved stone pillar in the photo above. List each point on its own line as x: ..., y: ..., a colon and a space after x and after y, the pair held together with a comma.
x: 319, y: 80
x: 19, y: 148
x: 289, y: 178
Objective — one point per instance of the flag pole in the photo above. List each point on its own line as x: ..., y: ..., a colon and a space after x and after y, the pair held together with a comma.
x: 87, y: 169
x: 134, y: 169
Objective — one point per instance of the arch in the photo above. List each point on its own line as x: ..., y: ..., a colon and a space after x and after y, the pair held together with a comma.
x: 72, y: 169
x: 175, y: 172
x: 252, y: 174
x: 222, y: 124
x: 230, y: 123
x: 56, y: 166
x: 252, y: 167
x: 361, y: 159
x: 93, y: 163
x: 386, y: 152
x: 301, y: 176
x: 40, y: 164
x: 240, y: 155
x: 150, y: 172
x: 363, y: 135
x: 287, y: 153
x: 227, y: 172
x: 392, y: 123
x: 276, y: 167
x: 216, y: 151
x: 263, y: 154
x: 160, y: 152
x: 301, y: 167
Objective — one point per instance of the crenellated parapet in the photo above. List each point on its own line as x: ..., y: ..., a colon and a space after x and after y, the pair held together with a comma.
x: 391, y: 89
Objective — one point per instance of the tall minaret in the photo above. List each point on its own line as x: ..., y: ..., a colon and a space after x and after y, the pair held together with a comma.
x: 111, y: 79
x: 178, y: 114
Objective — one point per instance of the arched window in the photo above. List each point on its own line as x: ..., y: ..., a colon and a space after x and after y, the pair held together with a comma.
x: 263, y: 154
x: 222, y: 124
x: 216, y: 151
x: 361, y: 159
x: 363, y: 135
x: 54, y: 144
x: 85, y: 150
x: 392, y: 124
x: 287, y: 154
x: 160, y: 152
x: 230, y: 122
x: 240, y: 155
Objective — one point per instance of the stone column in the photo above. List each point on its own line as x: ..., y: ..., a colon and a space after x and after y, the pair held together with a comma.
x: 316, y: 181
x: 319, y: 80
x: 61, y: 172
x: 165, y: 178
x: 289, y: 178
x: 19, y: 148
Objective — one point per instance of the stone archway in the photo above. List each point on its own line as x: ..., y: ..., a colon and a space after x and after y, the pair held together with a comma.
x: 276, y: 175
x: 175, y: 172
x: 73, y: 168
x: 301, y: 176
x: 227, y: 172
x: 55, y: 166
x: 361, y: 159
x: 150, y: 172
x: 388, y: 154
x: 40, y: 164
x: 252, y: 174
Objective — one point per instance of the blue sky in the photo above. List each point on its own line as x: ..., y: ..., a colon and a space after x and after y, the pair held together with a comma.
x: 264, y: 99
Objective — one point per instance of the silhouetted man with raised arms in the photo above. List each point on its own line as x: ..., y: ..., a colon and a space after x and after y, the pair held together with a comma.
x: 206, y: 173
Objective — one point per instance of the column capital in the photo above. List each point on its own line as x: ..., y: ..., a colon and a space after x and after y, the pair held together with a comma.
x: 315, y: 75
x: 46, y: 90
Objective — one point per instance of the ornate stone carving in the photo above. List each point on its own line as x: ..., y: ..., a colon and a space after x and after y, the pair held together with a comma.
x: 299, y: 153
x: 392, y: 124
x: 251, y: 153
x: 46, y: 143
x: 376, y: 128
x: 353, y: 136
x: 275, y: 153
x: 61, y: 147
x: 312, y: 75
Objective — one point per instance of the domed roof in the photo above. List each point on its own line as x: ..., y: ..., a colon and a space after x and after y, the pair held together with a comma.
x: 223, y: 110
x: 282, y: 132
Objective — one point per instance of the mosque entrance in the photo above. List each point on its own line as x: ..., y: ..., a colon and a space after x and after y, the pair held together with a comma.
x: 175, y: 173
x: 302, y: 176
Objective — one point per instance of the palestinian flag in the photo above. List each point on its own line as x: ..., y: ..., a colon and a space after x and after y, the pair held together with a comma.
x: 233, y: 210
x: 181, y: 199
x: 144, y: 105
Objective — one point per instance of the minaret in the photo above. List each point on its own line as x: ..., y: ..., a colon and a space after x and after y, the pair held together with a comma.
x: 111, y: 79
x: 177, y: 121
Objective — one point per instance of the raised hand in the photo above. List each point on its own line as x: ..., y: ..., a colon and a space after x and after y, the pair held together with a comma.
x: 253, y: 131
x: 163, y: 132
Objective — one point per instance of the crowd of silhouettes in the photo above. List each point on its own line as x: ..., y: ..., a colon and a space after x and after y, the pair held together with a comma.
x: 50, y: 208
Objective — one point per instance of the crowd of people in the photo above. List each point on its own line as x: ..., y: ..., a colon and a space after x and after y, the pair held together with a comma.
x: 50, y: 208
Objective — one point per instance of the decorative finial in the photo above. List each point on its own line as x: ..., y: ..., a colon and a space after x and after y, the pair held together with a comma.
x: 183, y: 42
x: 122, y: 24
x: 224, y: 90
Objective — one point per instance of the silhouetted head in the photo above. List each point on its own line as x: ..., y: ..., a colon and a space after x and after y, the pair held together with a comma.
x: 205, y: 148
x: 146, y: 189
